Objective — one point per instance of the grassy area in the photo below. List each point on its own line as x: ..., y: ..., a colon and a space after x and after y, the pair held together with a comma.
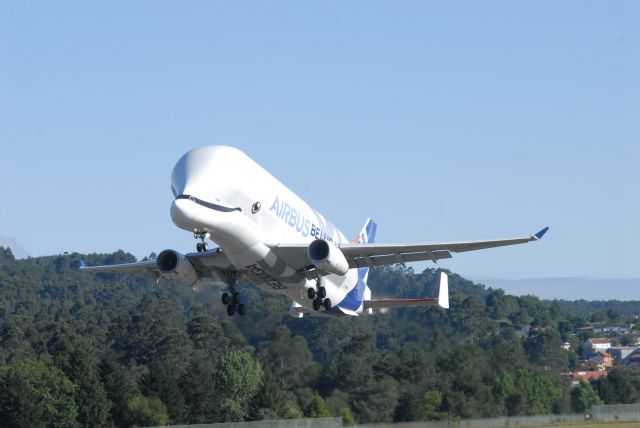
x: 594, y: 425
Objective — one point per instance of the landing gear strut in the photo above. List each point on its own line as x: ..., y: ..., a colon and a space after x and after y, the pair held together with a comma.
x: 201, y: 247
x: 318, y: 295
x: 232, y: 300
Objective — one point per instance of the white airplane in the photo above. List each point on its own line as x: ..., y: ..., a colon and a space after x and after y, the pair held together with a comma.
x: 269, y: 235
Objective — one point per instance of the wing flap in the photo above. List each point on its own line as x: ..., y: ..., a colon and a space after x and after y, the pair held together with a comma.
x: 399, y: 257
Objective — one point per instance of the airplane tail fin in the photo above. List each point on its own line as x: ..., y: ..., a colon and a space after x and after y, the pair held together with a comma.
x: 368, y: 233
x: 366, y: 236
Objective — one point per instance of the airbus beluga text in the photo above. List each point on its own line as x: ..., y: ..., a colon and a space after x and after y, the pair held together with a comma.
x: 269, y: 235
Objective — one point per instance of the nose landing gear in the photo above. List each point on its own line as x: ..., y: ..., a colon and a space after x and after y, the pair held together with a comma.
x: 318, y: 295
x: 201, y: 247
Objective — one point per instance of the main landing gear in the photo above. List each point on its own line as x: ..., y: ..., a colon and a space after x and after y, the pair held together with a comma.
x: 201, y: 247
x: 232, y: 300
x: 318, y: 295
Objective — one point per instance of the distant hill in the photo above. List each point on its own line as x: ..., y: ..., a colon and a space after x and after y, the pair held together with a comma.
x: 124, y: 350
x: 568, y: 288
x: 16, y: 249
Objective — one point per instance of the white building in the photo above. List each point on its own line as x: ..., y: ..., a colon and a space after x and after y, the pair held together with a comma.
x: 595, y: 344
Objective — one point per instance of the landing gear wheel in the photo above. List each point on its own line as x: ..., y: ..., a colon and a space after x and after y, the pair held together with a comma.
x: 231, y: 309
x: 201, y: 246
x: 322, y: 292
x: 230, y: 277
x: 242, y: 309
x: 311, y: 293
x: 316, y: 305
x: 327, y: 304
x: 236, y: 298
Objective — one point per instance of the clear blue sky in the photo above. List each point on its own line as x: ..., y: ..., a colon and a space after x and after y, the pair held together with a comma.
x: 441, y: 120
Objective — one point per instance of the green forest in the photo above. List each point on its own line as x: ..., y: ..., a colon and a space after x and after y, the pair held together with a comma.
x: 82, y: 350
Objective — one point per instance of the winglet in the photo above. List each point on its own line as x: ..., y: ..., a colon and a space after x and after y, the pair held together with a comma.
x: 443, y: 293
x: 82, y: 264
x: 540, y: 234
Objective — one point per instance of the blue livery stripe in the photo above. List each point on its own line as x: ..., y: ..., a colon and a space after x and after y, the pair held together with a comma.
x: 353, y: 300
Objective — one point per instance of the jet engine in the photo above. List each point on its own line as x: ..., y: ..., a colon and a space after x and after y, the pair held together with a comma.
x: 327, y: 257
x: 176, y: 267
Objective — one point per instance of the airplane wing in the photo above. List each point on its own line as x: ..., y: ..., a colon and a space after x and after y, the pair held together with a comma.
x: 363, y: 255
x: 206, y: 264
x: 386, y: 254
x: 121, y: 268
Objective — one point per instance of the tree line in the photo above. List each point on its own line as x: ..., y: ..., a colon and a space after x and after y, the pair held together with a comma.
x: 111, y: 350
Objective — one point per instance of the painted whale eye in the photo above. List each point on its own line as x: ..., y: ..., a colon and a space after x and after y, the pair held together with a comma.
x: 255, y: 207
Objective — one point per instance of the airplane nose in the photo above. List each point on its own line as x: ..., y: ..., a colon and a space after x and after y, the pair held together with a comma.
x: 194, y: 214
x: 181, y: 215
x: 226, y: 225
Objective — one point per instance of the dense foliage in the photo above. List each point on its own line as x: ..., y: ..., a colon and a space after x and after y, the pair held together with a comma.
x: 111, y: 350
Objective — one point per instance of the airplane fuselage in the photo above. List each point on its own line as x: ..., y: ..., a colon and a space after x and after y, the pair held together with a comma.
x: 223, y: 193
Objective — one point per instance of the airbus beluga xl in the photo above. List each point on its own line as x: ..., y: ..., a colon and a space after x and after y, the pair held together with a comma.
x: 270, y: 236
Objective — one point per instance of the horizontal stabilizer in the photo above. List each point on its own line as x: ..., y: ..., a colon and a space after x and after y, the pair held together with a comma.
x: 398, y: 303
x: 442, y: 300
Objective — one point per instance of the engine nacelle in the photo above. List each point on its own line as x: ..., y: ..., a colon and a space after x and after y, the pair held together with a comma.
x: 176, y: 267
x: 327, y: 257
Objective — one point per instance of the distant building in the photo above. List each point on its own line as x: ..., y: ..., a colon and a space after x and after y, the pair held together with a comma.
x: 603, y: 360
x: 619, y: 353
x: 595, y: 344
x: 612, y: 328
x: 632, y: 359
x: 566, y: 346
x: 576, y: 377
